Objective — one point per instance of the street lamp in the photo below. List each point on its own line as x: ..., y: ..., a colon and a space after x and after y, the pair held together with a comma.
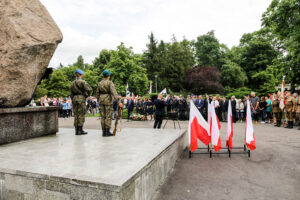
x: 156, y: 82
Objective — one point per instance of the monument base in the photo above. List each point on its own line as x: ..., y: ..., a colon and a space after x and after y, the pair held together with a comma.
x: 131, y: 165
x: 21, y: 123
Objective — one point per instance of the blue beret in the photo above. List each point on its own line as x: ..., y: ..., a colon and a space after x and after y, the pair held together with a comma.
x: 106, y: 73
x: 79, y: 71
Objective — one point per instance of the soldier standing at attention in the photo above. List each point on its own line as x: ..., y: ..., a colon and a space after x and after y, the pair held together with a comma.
x: 298, y: 110
x: 105, y: 94
x: 277, y: 111
x: 80, y: 90
x: 290, y: 106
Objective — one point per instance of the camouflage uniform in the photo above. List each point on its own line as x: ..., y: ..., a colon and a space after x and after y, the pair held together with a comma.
x: 298, y: 111
x: 277, y: 112
x: 290, y: 106
x: 105, y: 94
x: 79, y: 91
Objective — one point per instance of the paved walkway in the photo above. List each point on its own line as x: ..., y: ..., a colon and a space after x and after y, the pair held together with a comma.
x: 272, y: 172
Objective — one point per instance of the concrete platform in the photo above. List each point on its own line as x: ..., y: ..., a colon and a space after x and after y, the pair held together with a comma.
x: 21, y: 123
x: 131, y: 165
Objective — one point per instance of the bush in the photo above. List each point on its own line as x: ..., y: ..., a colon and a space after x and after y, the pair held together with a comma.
x: 239, y: 93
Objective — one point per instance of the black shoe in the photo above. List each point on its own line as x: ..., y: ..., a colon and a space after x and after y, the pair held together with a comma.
x: 288, y: 125
x: 80, y: 131
x: 76, y: 130
x: 108, y: 133
x: 299, y: 129
x: 291, y: 125
x: 103, y: 132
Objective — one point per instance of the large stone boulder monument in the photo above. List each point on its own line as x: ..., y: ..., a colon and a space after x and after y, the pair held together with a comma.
x: 28, y: 39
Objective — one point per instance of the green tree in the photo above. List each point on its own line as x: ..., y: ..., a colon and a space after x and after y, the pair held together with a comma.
x: 255, y: 53
x: 150, y: 58
x: 126, y: 68
x: 232, y: 75
x: 163, y: 62
x: 283, y: 18
x: 265, y: 80
x: 92, y: 78
x: 80, y: 62
x: 102, y: 60
x: 177, y: 68
x: 69, y: 72
x: 208, y: 50
x: 58, y: 85
x: 41, y: 89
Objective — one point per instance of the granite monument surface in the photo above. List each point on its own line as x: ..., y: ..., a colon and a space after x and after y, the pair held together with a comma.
x: 28, y: 39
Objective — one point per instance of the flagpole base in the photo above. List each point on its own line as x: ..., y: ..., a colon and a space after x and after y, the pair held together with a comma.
x: 190, y: 153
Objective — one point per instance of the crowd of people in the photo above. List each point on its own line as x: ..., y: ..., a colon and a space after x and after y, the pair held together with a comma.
x: 265, y: 109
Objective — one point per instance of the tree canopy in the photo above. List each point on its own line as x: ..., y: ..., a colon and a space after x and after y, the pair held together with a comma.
x: 258, y: 62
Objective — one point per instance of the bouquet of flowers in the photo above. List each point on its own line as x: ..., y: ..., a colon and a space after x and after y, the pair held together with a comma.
x: 138, y: 117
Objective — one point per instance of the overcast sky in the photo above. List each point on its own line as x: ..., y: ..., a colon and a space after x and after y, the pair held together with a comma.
x: 88, y: 26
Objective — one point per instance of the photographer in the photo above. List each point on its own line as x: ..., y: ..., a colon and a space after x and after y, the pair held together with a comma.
x: 159, y: 111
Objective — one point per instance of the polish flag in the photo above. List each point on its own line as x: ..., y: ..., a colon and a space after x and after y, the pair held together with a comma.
x: 209, y: 116
x: 249, y: 132
x: 198, y: 128
x: 229, y: 126
x: 215, y: 130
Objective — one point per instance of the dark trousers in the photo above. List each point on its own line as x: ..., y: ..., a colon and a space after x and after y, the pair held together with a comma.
x: 70, y: 112
x: 182, y: 115
x: 256, y: 116
x: 234, y: 116
x: 278, y: 117
x: 129, y: 111
x: 269, y: 115
x: 158, y: 121
x: 65, y: 113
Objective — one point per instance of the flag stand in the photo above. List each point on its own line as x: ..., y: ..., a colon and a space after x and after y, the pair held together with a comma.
x: 246, y: 151
x: 190, y: 153
x: 229, y: 151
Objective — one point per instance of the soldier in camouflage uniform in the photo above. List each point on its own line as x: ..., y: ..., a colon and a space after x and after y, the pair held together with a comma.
x: 290, y: 107
x: 277, y: 111
x: 105, y: 94
x: 80, y: 90
x: 298, y: 109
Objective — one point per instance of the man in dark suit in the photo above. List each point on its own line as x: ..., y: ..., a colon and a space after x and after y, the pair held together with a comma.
x: 129, y: 106
x: 233, y: 107
x: 159, y: 111
x: 200, y: 104
x: 224, y: 108
x: 168, y: 103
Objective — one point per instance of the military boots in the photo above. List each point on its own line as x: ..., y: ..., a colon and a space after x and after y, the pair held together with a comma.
x: 291, y: 125
x: 80, y: 131
x: 108, y: 133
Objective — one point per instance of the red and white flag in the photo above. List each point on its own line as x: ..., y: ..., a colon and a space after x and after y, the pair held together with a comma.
x: 209, y: 106
x: 215, y: 130
x: 282, y: 102
x: 249, y: 132
x: 198, y: 128
x: 229, y: 126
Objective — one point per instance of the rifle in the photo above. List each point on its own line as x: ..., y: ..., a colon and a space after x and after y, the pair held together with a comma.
x: 117, y: 120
